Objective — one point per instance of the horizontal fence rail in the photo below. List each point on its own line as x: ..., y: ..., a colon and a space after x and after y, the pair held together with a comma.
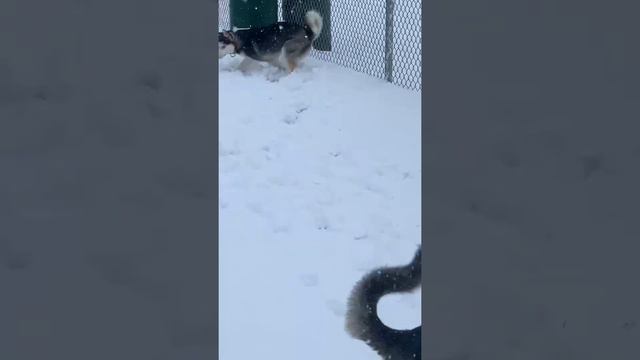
x: 382, y: 38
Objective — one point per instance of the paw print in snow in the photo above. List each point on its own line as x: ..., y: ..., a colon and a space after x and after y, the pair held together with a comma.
x: 290, y: 119
x: 309, y: 280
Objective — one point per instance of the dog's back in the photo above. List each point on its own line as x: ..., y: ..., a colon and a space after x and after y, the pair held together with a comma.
x: 363, y: 322
x: 260, y: 42
x: 282, y: 44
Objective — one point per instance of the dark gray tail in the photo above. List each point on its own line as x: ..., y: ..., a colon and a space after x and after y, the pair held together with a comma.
x: 363, y: 322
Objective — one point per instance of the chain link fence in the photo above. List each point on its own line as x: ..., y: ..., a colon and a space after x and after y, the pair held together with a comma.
x: 382, y: 38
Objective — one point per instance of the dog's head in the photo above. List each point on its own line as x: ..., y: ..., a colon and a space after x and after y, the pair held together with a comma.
x: 227, y: 44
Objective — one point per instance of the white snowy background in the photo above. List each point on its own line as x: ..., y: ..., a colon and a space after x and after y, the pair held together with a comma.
x: 319, y: 182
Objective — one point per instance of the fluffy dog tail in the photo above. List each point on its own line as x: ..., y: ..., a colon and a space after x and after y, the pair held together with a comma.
x: 313, y: 20
x: 362, y: 321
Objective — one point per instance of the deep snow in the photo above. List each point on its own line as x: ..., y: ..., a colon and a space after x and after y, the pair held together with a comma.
x: 319, y: 183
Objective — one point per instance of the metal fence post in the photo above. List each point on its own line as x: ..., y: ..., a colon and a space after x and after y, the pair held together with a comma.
x: 388, y: 40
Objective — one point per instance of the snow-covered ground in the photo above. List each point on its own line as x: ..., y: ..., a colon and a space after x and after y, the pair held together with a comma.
x: 319, y: 182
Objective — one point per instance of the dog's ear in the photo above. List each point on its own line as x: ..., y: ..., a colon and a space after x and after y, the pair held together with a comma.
x: 225, y: 37
x: 226, y: 45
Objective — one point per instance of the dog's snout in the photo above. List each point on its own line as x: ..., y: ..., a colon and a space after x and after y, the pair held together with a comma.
x: 223, y: 38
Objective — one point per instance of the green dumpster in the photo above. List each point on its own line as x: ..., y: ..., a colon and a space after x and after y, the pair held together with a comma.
x: 252, y: 13
x: 294, y: 10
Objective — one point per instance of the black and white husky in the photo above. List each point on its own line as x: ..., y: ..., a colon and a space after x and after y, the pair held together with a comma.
x: 363, y: 322
x: 283, y: 44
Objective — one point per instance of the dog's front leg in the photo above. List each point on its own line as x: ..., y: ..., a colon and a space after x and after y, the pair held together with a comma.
x: 247, y: 65
x: 292, y: 66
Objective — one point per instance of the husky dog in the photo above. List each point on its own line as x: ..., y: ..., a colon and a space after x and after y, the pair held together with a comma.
x: 283, y: 44
x: 363, y: 322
